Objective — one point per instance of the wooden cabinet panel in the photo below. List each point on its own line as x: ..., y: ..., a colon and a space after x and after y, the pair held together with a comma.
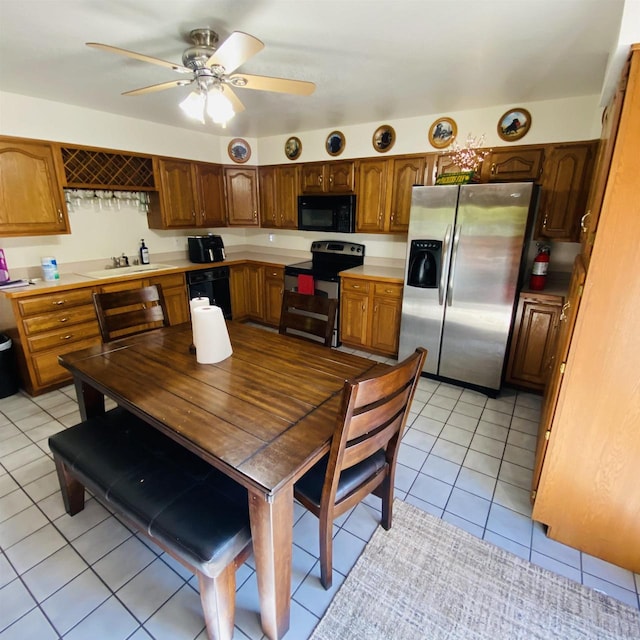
x: 241, y: 190
x: 328, y: 177
x: 279, y: 196
x: 178, y: 194
x: 73, y: 333
x: 31, y: 179
x: 48, y: 373
x: 588, y: 493
x: 174, y: 290
x: 58, y: 319
x: 255, y: 291
x: 372, y: 194
x: 54, y: 301
x: 533, y: 340
x: 370, y: 314
x: 238, y: 288
x: 512, y: 165
x: 210, y: 189
x: 407, y: 172
x: 274, y: 287
x: 567, y: 169
x: 268, y: 197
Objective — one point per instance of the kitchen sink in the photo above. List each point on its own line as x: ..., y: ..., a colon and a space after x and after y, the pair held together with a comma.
x: 114, y: 272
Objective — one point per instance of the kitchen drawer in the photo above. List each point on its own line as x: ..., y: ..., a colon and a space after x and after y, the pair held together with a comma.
x: 46, y: 367
x: 350, y: 284
x: 68, y: 335
x: 387, y: 289
x: 274, y: 273
x: 166, y: 282
x: 55, y: 301
x: 59, y: 319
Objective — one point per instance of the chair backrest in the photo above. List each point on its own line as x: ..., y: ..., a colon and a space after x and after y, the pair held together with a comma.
x: 311, y: 315
x: 125, y: 313
x: 372, y: 417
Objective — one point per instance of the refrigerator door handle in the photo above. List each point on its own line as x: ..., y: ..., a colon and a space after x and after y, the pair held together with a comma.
x: 452, y: 268
x: 444, y: 260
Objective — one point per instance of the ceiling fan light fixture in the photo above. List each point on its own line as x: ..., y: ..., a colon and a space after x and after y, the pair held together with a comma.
x: 219, y: 107
x: 193, y: 105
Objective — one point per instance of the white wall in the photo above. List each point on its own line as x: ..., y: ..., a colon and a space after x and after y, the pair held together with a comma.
x: 99, y: 234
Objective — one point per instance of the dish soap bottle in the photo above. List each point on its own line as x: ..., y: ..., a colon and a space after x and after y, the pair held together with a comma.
x: 144, y: 253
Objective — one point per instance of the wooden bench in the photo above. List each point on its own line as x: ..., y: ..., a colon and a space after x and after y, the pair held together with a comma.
x: 187, y: 507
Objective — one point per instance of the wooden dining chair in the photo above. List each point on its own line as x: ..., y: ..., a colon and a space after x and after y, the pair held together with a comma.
x: 364, y: 448
x: 308, y: 317
x: 125, y: 313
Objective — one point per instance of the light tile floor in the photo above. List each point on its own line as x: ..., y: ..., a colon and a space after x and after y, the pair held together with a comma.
x: 464, y: 457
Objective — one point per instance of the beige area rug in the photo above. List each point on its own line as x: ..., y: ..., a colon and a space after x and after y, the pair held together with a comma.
x: 430, y: 580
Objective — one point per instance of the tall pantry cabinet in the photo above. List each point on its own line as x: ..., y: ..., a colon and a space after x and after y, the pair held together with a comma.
x: 588, y: 492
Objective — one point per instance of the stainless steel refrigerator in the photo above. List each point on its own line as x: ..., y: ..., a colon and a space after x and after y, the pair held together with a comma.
x: 464, y: 253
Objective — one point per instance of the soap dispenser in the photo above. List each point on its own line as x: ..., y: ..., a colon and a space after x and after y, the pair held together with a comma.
x: 144, y: 253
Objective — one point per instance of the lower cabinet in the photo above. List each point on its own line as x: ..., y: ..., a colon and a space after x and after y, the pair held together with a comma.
x: 370, y: 314
x: 47, y: 325
x: 256, y: 292
x: 273, y: 290
x: 533, y: 340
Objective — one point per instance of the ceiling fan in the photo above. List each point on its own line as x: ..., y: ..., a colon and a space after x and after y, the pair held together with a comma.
x: 211, y: 69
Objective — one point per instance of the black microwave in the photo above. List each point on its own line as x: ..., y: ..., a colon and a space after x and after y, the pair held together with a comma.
x: 327, y: 213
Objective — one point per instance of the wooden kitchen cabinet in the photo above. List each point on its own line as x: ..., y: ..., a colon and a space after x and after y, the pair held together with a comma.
x: 370, y: 313
x: 533, y: 340
x: 31, y: 179
x: 279, y: 196
x: 241, y: 192
x: 384, y: 192
x: 588, y: 493
x: 44, y: 326
x: 255, y: 291
x: 238, y: 289
x: 565, y: 184
x: 328, y: 177
x: 191, y: 195
x: 512, y: 165
x: 273, y: 290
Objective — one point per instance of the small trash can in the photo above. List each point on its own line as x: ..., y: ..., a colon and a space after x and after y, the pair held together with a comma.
x: 9, y: 383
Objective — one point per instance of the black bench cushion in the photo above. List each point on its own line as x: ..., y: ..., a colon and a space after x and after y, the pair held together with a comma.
x: 174, y: 495
x: 310, y: 485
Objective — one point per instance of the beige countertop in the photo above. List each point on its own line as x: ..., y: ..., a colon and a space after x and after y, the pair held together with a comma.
x: 557, y: 284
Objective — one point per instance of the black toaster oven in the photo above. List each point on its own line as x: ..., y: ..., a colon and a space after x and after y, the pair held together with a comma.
x: 207, y: 248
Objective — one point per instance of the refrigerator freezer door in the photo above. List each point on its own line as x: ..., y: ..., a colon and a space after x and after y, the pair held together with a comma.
x: 483, y: 277
x: 432, y: 218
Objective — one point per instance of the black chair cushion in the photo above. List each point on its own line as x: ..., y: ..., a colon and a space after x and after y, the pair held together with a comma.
x: 171, y: 493
x: 310, y: 485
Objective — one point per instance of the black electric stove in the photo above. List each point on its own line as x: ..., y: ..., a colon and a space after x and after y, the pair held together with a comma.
x: 328, y: 259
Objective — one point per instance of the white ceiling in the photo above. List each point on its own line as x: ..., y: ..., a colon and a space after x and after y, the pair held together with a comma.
x: 372, y: 60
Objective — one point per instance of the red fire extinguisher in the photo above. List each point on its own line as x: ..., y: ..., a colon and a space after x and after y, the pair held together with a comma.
x: 539, y: 271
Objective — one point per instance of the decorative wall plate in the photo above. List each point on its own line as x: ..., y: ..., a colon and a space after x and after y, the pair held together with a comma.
x: 514, y: 124
x: 335, y: 143
x: 239, y: 150
x: 384, y: 138
x: 293, y: 148
x: 442, y: 132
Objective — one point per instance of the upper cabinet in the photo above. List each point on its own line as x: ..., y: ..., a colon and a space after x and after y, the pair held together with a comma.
x: 328, y: 177
x: 512, y: 165
x: 241, y: 191
x: 31, y: 178
x: 279, y: 196
x: 190, y: 195
x: 565, y: 184
x: 384, y: 192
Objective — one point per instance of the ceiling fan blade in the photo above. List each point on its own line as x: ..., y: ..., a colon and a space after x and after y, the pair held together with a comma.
x: 233, y: 98
x: 234, y: 51
x: 139, y: 56
x: 157, y: 87
x: 268, y: 83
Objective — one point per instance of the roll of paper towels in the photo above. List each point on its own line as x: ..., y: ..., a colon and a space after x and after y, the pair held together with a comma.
x: 210, y: 335
x: 198, y: 302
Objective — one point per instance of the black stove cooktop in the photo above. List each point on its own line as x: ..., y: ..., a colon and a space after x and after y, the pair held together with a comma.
x: 328, y: 258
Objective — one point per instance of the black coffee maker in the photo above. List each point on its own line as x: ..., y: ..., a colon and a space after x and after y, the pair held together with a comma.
x: 207, y: 248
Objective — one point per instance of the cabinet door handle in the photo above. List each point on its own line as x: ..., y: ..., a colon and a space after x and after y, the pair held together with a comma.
x: 583, y: 226
x: 330, y: 179
x: 67, y: 337
x: 493, y: 169
x: 58, y: 302
x: 64, y: 319
x: 544, y: 221
x: 193, y: 214
x: 319, y: 179
x: 59, y: 215
x: 565, y: 307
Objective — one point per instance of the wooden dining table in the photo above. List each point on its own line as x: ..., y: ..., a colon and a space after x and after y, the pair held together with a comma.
x: 263, y: 416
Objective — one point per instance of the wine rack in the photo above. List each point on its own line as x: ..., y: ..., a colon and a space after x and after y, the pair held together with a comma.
x: 91, y: 169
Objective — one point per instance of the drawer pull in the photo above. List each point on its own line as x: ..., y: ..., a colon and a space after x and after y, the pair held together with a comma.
x: 64, y: 319
x: 58, y: 302
x: 355, y: 286
x: 67, y: 337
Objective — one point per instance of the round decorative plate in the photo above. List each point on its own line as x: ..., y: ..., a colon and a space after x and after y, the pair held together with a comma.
x: 239, y: 150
